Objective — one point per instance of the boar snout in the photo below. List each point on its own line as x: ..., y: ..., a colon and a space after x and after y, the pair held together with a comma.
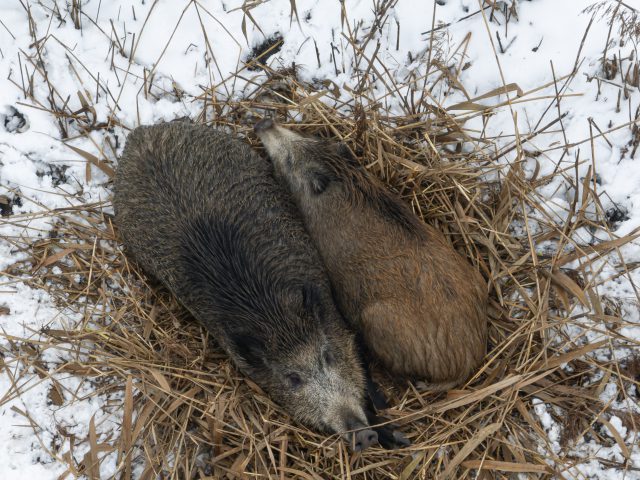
x: 359, y: 435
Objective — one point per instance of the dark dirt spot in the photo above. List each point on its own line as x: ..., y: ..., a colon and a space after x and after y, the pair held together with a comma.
x: 14, y: 121
x: 263, y: 51
x: 7, y: 203
x: 616, y: 215
x: 573, y: 425
x: 632, y: 368
x: 56, y: 172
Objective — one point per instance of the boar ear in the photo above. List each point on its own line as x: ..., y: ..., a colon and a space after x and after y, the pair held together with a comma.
x: 248, y: 347
x: 346, y: 154
x: 319, y: 182
x: 311, y: 300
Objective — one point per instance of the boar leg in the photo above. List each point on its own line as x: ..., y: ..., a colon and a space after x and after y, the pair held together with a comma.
x: 374, y: 392
x: 388, y: 437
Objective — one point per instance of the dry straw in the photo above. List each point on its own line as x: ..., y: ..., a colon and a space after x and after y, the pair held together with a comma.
x: 188, y: 413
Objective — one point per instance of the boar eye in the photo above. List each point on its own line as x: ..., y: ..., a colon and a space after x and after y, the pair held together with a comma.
x: 289, y: 160
x: 319, y: 182
x: 295, y: 381
x: 329, y: 359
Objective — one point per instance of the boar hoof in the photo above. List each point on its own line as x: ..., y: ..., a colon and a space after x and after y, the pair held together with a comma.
x: 391, y: 439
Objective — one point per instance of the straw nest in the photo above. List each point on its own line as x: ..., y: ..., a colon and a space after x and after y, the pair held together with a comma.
x: 188, y: 413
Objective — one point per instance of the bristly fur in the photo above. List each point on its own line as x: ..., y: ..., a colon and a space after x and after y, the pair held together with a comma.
x: 252, y: 291
x: 361, y: 188
x: 201, y: 212
x: 420, y: 307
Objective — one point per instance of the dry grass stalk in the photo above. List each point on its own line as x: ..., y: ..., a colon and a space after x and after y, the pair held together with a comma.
x: 187, y: 413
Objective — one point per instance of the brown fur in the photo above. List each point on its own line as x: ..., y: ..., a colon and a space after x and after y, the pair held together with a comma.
x: 420, y: 306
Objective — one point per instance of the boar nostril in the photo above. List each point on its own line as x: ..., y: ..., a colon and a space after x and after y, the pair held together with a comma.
x: 364, y: 439
x: 263, y: 125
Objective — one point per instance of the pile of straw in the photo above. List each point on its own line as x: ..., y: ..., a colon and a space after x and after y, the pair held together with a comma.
x: 188, y: 413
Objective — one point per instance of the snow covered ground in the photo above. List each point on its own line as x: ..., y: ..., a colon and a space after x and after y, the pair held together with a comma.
x: 103, y: 70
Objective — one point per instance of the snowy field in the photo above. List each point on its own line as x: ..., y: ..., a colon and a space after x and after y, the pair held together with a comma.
x: 572, y: 103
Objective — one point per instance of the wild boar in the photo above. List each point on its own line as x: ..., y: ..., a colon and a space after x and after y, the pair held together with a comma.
x: 202, y: 213
x: 419, y: 305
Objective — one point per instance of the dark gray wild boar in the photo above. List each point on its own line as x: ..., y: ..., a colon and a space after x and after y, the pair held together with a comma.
x: 419, y: 305
x: 201, y: 212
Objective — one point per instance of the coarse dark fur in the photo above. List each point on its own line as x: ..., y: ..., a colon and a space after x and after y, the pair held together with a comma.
x: 203, y: 214
x: 418, y: 304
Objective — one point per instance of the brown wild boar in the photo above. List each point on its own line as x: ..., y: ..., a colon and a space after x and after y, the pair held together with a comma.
x: 203, y: 214
x: 419, y: 305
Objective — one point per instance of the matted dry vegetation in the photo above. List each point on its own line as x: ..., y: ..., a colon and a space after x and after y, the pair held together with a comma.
x: 188, y: 413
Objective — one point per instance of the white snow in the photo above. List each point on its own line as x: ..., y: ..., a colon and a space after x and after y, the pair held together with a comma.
x: 205, y: 48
